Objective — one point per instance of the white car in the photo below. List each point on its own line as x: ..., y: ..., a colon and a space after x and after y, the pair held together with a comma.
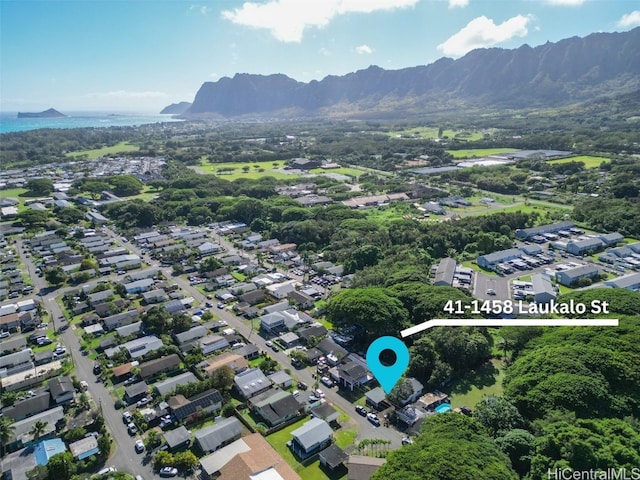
x: 107, y: 470
x: 326, y: 381
x: 139, y: 446
x: 319, y: 393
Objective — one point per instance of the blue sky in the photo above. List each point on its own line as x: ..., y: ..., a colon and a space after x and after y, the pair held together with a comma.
x: 140, y: 55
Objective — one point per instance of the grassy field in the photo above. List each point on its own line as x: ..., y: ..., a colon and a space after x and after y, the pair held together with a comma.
x: 432, y: 132
x: 470, y: 389
x: 589, y: 161
x: 147, y: 194
x: 101, y: 152
x: 479, y: 152
x: 279, y: 441
x: 234, y: 170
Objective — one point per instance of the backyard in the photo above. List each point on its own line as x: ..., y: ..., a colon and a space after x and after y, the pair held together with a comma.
x: 469, y: 390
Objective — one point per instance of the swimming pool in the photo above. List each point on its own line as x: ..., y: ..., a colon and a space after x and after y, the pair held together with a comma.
x: 444, y: 407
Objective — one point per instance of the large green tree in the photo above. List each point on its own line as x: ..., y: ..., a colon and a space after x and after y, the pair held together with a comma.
x: 450, y: 446
x: 371, y: 308
x: 40, y: 186
x: 125, y: 185
x: 497, y: 414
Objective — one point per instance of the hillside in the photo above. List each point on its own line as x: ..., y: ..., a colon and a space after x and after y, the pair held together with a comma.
x: 50, y: 113
x: 550, y: 75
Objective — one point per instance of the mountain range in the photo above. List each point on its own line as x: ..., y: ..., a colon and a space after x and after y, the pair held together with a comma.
x: 569, y: 71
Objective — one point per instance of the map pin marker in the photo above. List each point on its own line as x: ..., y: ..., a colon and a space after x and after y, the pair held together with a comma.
x: 387, y: 375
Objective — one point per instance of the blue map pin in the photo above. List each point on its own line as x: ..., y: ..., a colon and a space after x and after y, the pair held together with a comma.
x: 387, y: 376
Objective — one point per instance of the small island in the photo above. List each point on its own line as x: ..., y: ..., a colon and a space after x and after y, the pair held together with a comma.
x: 51, y: 113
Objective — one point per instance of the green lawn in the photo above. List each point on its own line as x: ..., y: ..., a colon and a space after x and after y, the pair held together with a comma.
x: 352, y: 172
x: 345, y: 438
x: 473, y: 265
x: 147, y: 194
x: 470, y: 389
x: 479, y: 152
x: 101, y: 152
x: 279, y: 441
x: 432, y: 132
x: 588, y: 160
x: 256, y: 170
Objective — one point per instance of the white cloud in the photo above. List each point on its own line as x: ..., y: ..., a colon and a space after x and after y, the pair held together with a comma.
x: 288, y: 19
x: 458, y: 3
x: 566, y: 3
x: 126, y: 94
x: 214, y: 75
x: 364, y: 50
x: 323, y: 51
x: 482, y: 32
x: 630, y: 19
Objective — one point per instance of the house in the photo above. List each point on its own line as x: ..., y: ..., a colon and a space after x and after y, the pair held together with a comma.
x: 13, y: 344
x: 409, y: 415
x: 582, y: 247
x: 22, y: 428
x: 250, y: 457
x: 193, y: 333
x: 177, y: 439
x: 159, y: 365
x: 200, y: 405
x: 276, y: 307
x: 227, y: 359
x: 281, y: 379
x: 44, y: 450
x: 377, y: 398
x: 212, y: 343
x: 489, y: 260
x: 543, y: 289
x: 174, y: 306
x: 444, y: 272
x: 135, y: 392
x: 28, y: 407
x: 316, y: 331
x: 630, y: 282
x: 251, y: 382
x: 218, y: 435
x: 310, y: 438
x: 526, y: 233
x: 429, y: 401
x: 9, y: 322
x: 278, y: 407
x: 252, y: 298
x: 170, y: 384
x: 97, y: 298
x: 141, y: 346
x: 301, y: 299
x: 289, y: 339
x: 417, y: 389
x: 120, y: 319
x: 121, y: 371
x: 325, y: 412
x: 208, y: 248
x: 272, y: 322
x: 304, y: 164
x: 361, y: 467
x: 352, y: 375
x: 247, y: 352
x: 573, y: 275
x: 157, y: 295
x: 61, y: 389
x: 139, y: 286
x: 281, y: 290
x: 333, y: 457
x: 84, y: 448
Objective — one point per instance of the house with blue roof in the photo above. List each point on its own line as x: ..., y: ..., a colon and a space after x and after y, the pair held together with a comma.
x: 46, y: 449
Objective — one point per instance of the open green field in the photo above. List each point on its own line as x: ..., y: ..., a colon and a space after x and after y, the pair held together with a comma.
x: 469, y: 390
x: 234, y: 170
x: 432, y: 132
x: 479, y: 152
x: 279, y: 441
x: 101, y: 152
x: 352, y: 172
x: 588, y: 160
x: 147, y: 194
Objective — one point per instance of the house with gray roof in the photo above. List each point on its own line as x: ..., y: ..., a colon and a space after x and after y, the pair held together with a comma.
x: 170, y: 384
x: 28, y: 407
x: 13, y: 344
x: 251, y: 382
x: 136, y: 391
x: 573, y: 275
x: 157, y: 295
x: 278, y: 408
x: 141, y: 346
x: 178, y: 438
x: 587, y: 245
x: 131, y: 329
x: 216, y: 436
x: 62, y: 390
x: 159, y: 365
x: 139, y: 286
x: 190, y: 335
x: 490, y: 259
x: 97, y: 298
x: 197, y: 406
x: 444, y: 273
x: 310, y: 438
x: 630, y: 282
x: 212, y: 343
x: 22, y: 428
x: 543, y: 289
x: 120, y: 319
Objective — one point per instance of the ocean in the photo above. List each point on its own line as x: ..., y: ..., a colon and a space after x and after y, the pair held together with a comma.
x: 9, y: 121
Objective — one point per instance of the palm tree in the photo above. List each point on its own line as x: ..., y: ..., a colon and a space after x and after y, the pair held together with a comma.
x: 38, y: 429
x: 6, y: 433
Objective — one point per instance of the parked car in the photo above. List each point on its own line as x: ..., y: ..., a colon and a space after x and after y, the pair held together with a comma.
x: 268, y: 343
x: 326, y: 381
x: 302, y: 386
x: 168, y: 472
x: 373, y: 418
x: 139, y: 446
x: 361, y: 410
x: 407, y: 441
x: 319, y: 393
x: 220, y: 305
x: 44, y: 341
x: 107, y: 470
x: 491, y: 291
x: 131, y: 428
x: 97, y: 368
x: 143, y: 401
x: 5, y: 334
x: 127, y: 417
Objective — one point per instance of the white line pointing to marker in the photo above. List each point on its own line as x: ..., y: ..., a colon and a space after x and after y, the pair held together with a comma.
x: 502, y: 322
